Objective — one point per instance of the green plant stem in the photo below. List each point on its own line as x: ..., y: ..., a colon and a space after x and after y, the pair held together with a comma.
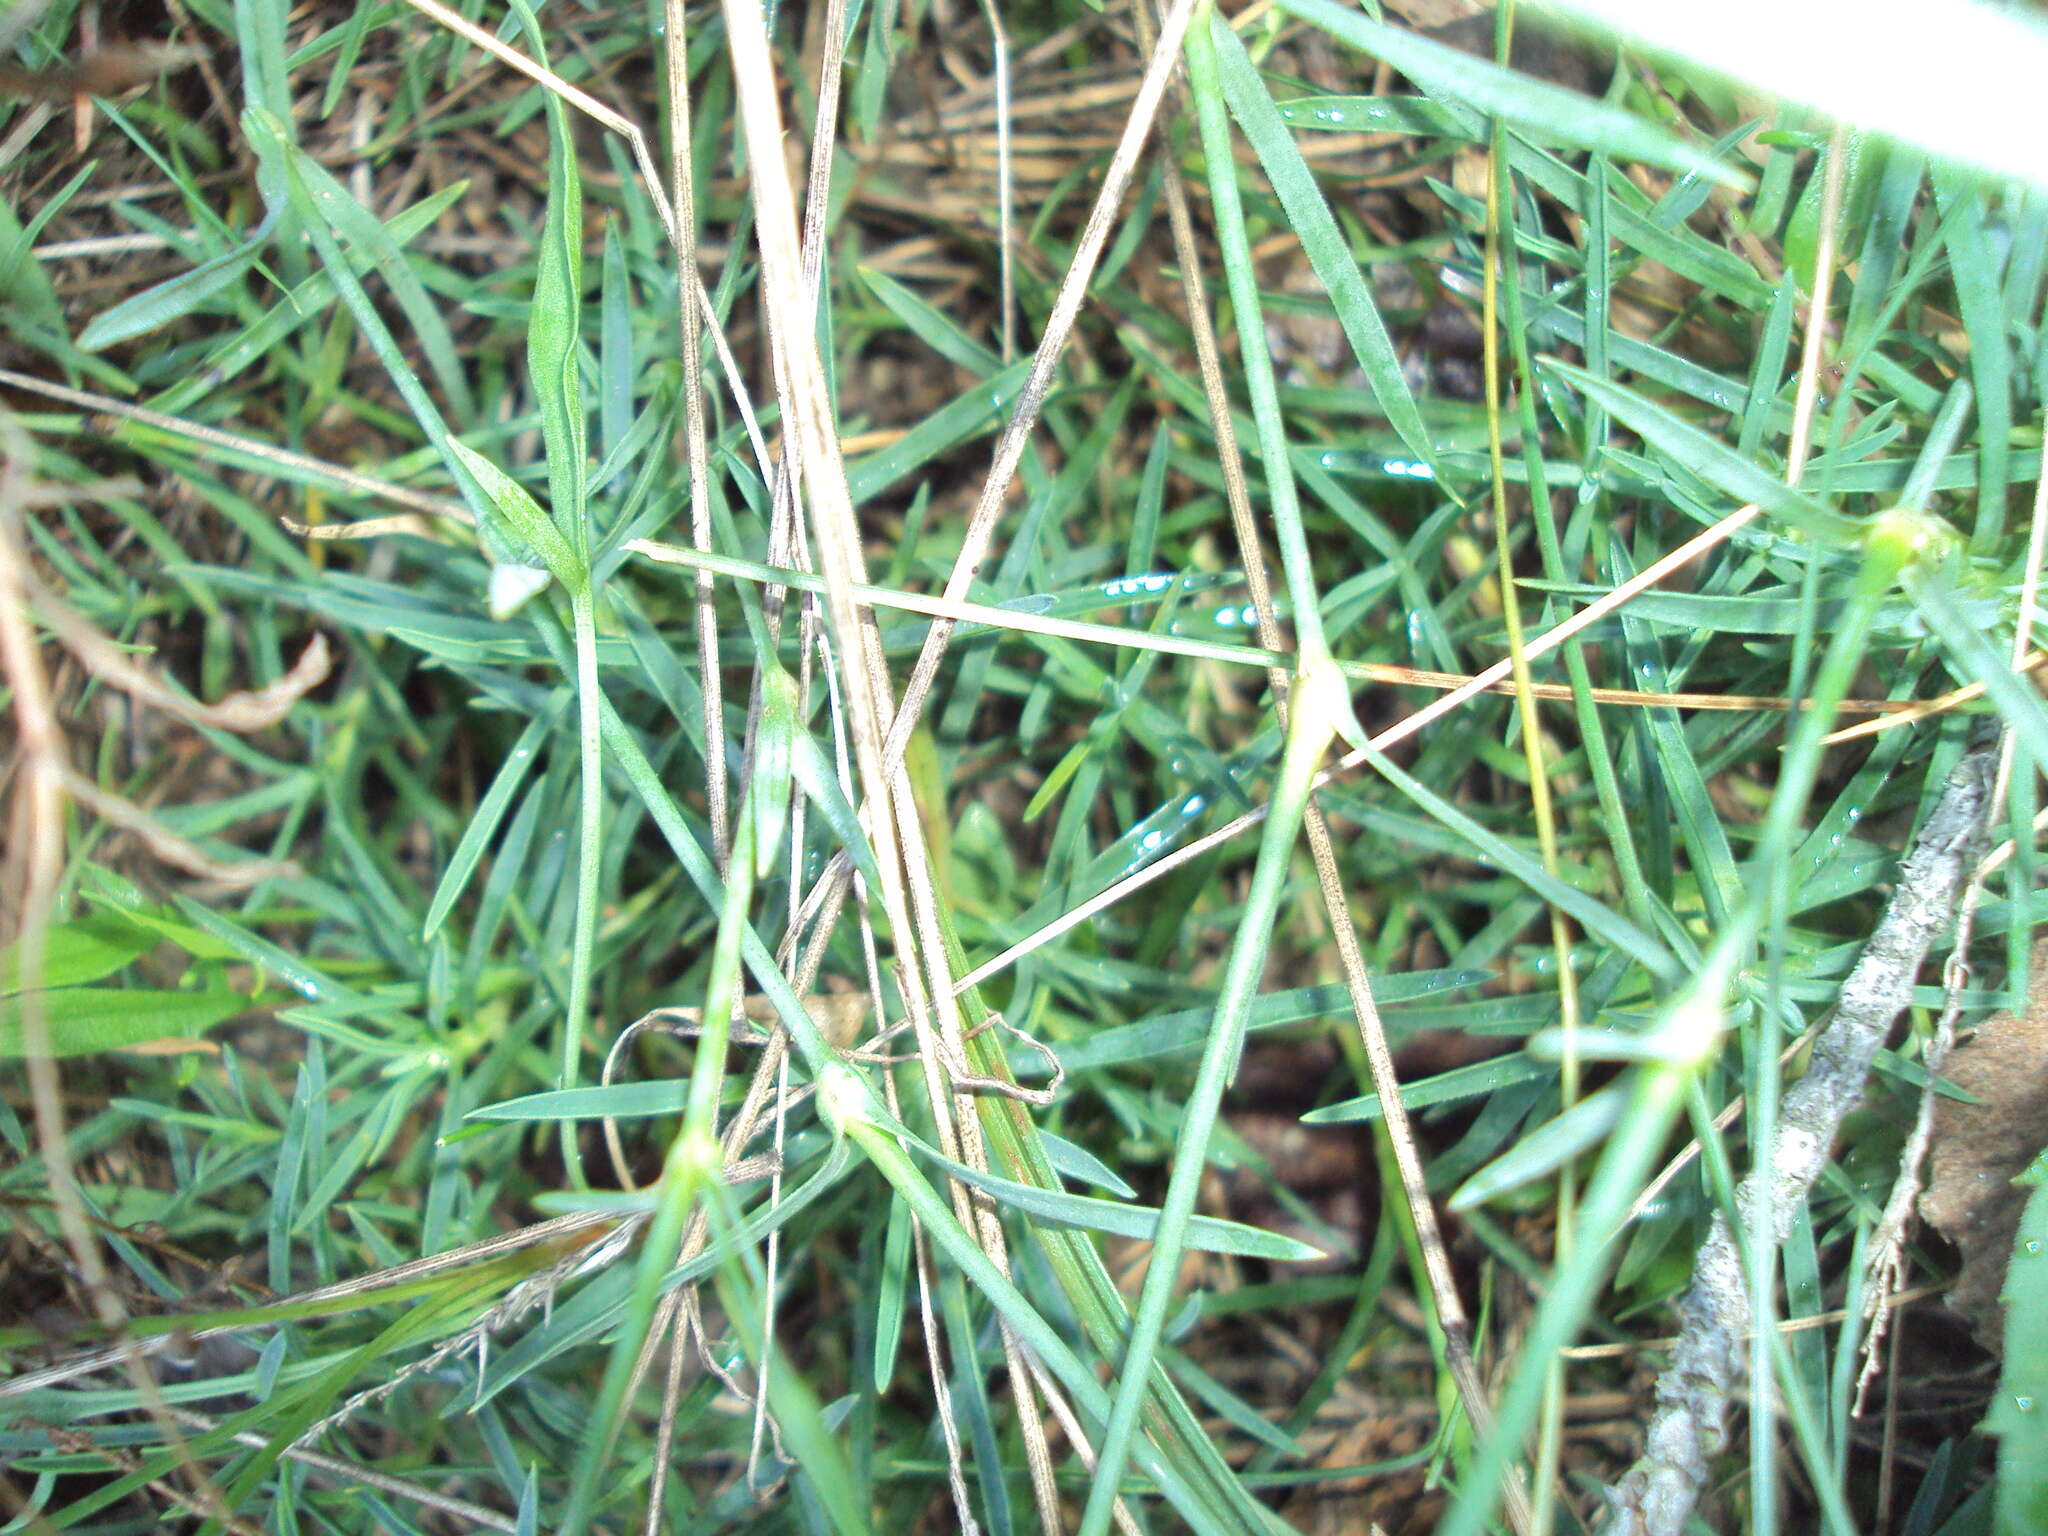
x: 1085, y: 1281
x: 1658, y: 1096
x: 589, y: 860
x: 1234, y: 244
x: 1308, y: 735
x: 798, y: 1417
x: 693, y: 1158
x: 1689, y: 1037
x: 881, y: 1148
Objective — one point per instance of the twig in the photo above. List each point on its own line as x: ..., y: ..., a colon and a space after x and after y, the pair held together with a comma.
x: 1887, y: 1265
x: 1657, y: 1496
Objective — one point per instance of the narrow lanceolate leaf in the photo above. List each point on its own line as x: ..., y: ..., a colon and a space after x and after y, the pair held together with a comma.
x: 176, y: 297
x: 1546, y: 1150
x: 2019, y: 1411
x: 617, y: 1101
x: 520, y: 518
x: 281, y: 174
x: 553, y: 326
x: 1316, y: 227
x: 1138, y: 1221
x: 363, y: 230
x: 85, y: 949
x: 1711, y: 459
x: 83, y: 1021
x: 1533, y: 107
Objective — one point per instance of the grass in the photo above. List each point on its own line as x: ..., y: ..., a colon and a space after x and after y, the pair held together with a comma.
x: 768, y: 620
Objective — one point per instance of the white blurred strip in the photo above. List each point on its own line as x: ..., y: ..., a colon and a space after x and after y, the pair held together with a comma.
x: 1954, y: 77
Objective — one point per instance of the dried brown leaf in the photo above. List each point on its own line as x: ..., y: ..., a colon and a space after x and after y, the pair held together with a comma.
x: 1978, y: 1149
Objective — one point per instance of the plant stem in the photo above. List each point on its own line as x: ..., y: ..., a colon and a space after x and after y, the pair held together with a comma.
x: 1308, y: 734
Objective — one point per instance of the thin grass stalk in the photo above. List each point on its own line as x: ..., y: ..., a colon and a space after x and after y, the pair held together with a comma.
x: 1502, y: 255
x: 696, y: 451
x: 590, y: 849
x: 1766, y: 1086
x: 787, y: 543
x: 795, y: 1405
x: 864, y: 680
x: 693, y: 1159
x: 865, y: 683
x: 1320, y: 704
x: 1581, y: 693
x: 35, y: 863
x: 561, y: 90
x: 1095, y: 1297
x: 279, y: 461
x: 1308, y: 735
x: 553, y: 329
x: 981, y: 1216
x: 848, y: 1105
x: 1031, y: 396
x: 808, y: 411
x: 1052, y: 342
x: 1683, y: 1043
x: 1449, y: 1305
x: 1406, y: 727
x: 1006, y: 254
x: 351, y: 1474
x: 950, y: 1051
x: 928, y: 1321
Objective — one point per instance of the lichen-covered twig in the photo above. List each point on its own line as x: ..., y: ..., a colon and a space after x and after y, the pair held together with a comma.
x: 1657, y: 1496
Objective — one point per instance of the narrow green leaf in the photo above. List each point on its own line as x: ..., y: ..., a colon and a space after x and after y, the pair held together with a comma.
x: 83, y: 1021
x: 1077, y: 1162
x: 968, y: 416
x: 811, y: 770
x: 1476, y: 1081
x: 555, y: 320
x: 1532, y: 106
x: 1138, y: 1221
x: 1323, y: 243
x: 483, y: 825
x: 1710, y: 459
x: 930, y: 326
x: 82, y: 950
x: 175, y: 297
x: 1547, y: 1149
x: 333, y: 203
x: 2019, y: 1410
x: 1186, y: 1028
x: 1416, y: 115
x: 615, y: 367
x: 619, y: 1101
x: 520, y: 517
x: 891, y: 1294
